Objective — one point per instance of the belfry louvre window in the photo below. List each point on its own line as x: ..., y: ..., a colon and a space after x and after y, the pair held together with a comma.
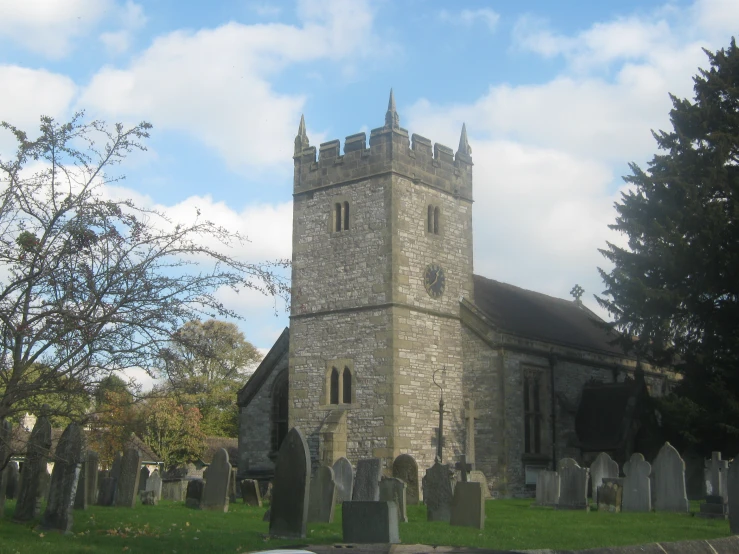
x: 341, y: 216
x: 334, y: 385
x: 532, y: 414
x: 340, y: 386
x: 433, y: 219
x: 346, y: 396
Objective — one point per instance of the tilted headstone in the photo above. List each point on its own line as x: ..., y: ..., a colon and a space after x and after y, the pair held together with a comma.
x: 732, y: 488
x: 547, y: 488
x: 80, y: 495
x: 67, y: 465
x: 602, y: 467
x: 154, y: 484
x: 290, y: 488
x: 5, y: 433
x: 128, y: 483
x: 393, y: 489
x: 369, y: 522
x: 573, y: 488
x: 668, y: 469
x: 143, y: 478
x: 215, y: 493
x: 28, y: 505
x: 438, y: 490
x: 406, y: 468
x: 250, y: 493
x: 11, y: 486
x: 610, y: 494
x: 194, y: 496
x: 344, y: 478
x: 322, y: 496
x: 468, y: 506
x: 637, y: 496
x: 367, y: 481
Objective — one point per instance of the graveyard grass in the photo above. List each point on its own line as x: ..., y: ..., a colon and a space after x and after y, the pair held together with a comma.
x: 510, y: 524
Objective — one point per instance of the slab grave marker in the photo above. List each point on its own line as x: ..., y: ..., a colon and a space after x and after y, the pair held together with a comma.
x: 143, y: 477
x: 610, y: 495
x: 154, y: 484
x: 92, y: 461
x: 128, y: 483
x: 367, y: 481
x: 438, y: 491
x: 669, y: 481
x: 406, y: 469
x: 566, y: 462
x: 637, y: 496
x: 322, y: 497
x: 369, y: 522
x: 602, y: 467
x: 194, y: 495
x: 290, y: 488
x: 6, y: 429
x: 732, y: 488
x: 393, y: 489
x: 232, y: 485
x: 216, y: 493
x: 250, y: 493
x: 344, y: 479
x: 468, y: 506
x: 547, y: 488
x: 28, y: 505
x: 573, y: 487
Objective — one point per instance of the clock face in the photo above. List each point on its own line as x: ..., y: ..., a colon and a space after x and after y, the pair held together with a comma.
x: 434, y: 280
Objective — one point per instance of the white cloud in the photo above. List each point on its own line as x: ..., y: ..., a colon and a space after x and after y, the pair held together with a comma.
x: 468, y: 18
x: 131, y: 18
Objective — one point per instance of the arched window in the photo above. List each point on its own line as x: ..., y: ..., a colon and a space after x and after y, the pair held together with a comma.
x: 532, y: 415
x: 346, y: 216
x: 334, y: 397
x: 436, y: 220
x: 337, y: 217
x: 280, y: 393
x: 347, y: 387
x: 431, y: 219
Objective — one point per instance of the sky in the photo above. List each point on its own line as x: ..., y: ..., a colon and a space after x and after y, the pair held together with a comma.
x: 558, y: 98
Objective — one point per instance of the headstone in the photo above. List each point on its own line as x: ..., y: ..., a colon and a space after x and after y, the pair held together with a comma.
x: 669, y: 481
x: 92, y: 461
x: 547, y: 488
x: 44, y: 484
x: 11, y: 486
x: 67, y: 466
x: 438, y: 489
x: 194, y: 496
x: 6, y: 429
x: 610, y: 495
x: 149, y: 498
x: 477, y: 476
x: 714, y: 507
x: 128, y: 483
x: 143, y: 477
x: 250, y: 493
x: 215, y: 494
x: 80, y: 495
x: 694, y: 481
x: 106, y: 494
x: 232, y: 485
x: 463, y: 468
x: 602, y: 466
x: 406, y: 468
x: 28, y: 505
x: 291, y: 485
x: 394, y: 490
x: 573, y: 488
x: 566, y: 462
x: 637, y: 496
x: 367, y: 522
x: 174, y: 489
x: 115, y: 468
x: 367, y: 481
x: 468, y: 506
x: 344, y: 479
x: 732, y: 487
x: 154, y: 484
x: 322, y: 496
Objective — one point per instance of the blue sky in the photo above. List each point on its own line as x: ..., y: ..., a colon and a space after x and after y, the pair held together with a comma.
x: 558, y: 97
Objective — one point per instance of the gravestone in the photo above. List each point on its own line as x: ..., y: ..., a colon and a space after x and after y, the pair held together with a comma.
x: 477, y: 476
x: 669, y: 481
x: 67, y: 466
x: 368, y: 522
x: 232, y: 485
x: 250, y: 493
x: 128, y: 482
x: 154, y: 484
x: 610, y: 495
x: 92, y: 461
x: 215, y: 493
x: 573, y: 488
x: 80, y: 495
x: 393, y: 489
x: 115, y: 468
x: 344, y: 479
x: 406, y: 468
x: 143, y: 477
x: 566, y: 462
x: 11, y: 486
x: 602, y: 467
x: 28, y: 505
x: 468, y: 506
x: 44, y: 483
x: 637, y: 496
x: 6, y: 429
x: 438, y: 490
x: 714, y: 507
x: 149, y: 498
x: 547, y: 488
x: 106, y: 494
x: 322, y: 496
x: 732, y: 488
x: 174, y: 489
x: 367, y: 481
x: 194, y: 495
x: 290, y: 488
x: 694, y: 482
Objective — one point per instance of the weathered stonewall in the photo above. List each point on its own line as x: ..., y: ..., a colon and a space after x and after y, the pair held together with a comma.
x: 468, y: 506
x: 732, y: 488
x: 322, y: 496
x: 438, y: 489
x: 367, y: 481
x: 344, y: 478
x: 154, y: 484
x: 11, y: 486
x: 406, y: 468
x: 143, y: 478
x: 547, y: 488
x: 291, y: 485
x: 602, y: 467
x: 28, y: 505
x: 669, y: 481
x: 250, y: 493
x: 67, y: 466
x: 215, y: 493
x: 194, y: 496
x: 393, y: 489
x: 610, y: 494
x: 6, y: 429
x: 369, y: 522
x: 128, y: 483
x: 637, y: 496
x: 573, y: 488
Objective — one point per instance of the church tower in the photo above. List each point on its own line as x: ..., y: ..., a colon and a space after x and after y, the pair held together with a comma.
x: 382, y: 255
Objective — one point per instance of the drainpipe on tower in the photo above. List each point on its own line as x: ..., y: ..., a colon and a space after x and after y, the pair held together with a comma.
x: 552, y: 365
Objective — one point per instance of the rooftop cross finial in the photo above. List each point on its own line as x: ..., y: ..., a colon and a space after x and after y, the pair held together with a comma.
x: 301, y: 140
x: 392, y: 119
x: 464, y: 146
x: 577, y: 292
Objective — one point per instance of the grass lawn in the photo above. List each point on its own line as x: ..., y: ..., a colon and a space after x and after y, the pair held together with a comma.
x: 172, y: 528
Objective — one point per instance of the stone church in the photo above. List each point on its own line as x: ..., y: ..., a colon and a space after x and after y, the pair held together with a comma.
x: 387, y: 316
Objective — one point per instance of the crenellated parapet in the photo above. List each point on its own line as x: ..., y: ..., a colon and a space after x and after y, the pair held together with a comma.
x: 390, y: 151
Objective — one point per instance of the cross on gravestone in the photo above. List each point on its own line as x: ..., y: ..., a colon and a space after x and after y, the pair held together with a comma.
x: 463, y: 467
x: 470, y: 415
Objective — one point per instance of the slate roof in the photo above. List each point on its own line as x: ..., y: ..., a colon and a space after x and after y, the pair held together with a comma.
x: 260, y: 375
x: 538, y: 316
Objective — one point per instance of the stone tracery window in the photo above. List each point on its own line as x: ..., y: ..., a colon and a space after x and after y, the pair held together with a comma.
x: 339, y: 383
